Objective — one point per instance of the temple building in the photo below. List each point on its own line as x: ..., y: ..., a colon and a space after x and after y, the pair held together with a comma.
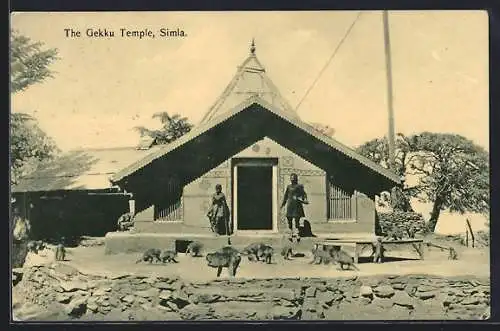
x: 249, y: 141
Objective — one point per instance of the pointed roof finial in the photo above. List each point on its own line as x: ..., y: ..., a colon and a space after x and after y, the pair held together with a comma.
x: 252, y: 48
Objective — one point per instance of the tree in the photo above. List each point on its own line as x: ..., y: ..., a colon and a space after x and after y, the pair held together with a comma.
x: 451, y: 171
x: 29, y: 145
x: 173, y: 127
x: 29, y: 65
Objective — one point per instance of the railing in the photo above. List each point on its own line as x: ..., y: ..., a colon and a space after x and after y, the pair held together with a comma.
x: 171, y: 213
x: 169, y: 208
x: 339, y: 204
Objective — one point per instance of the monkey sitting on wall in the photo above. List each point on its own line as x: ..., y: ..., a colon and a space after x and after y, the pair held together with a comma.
x: 150, y: 255
x: 265, y: 252
x: 168, y: 256
x: 226, y: 257
x: 252, y: 251
x: 194, y: 248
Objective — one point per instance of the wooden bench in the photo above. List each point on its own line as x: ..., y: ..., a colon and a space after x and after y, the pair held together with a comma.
x: 360, y: 244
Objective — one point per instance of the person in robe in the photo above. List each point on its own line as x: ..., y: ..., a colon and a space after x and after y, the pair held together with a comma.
x: 295, y: 196
x: 218, y: 213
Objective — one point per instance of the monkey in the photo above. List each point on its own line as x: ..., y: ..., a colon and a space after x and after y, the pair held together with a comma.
x: 343, y: 258
x: 452, y: 255
x: 411, y: 232
x: 150, y: 255
x: 125, y: 222
x: 228, y: 259
x: 228, y: 250
x: 36, y: 246
x: 378, y: 251
x: 60, y: 252
x: 286, y: 252
x: 194, y: 248
x: 168, y: 256
x: 323, y: 254
x: 266, y: 252
x: 32, y: 247
x: 396, y: 233
x: 251, y: 251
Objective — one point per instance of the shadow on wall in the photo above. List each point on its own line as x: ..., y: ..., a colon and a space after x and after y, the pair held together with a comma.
x: 76, y: 216
x: 378, y: 227
x: 305, y: 230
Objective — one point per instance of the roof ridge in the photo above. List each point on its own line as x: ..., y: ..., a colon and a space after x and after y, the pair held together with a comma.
x: 203, y: 127
x: 71, y: 175
x: 81, y: 149
x: 254, y: 69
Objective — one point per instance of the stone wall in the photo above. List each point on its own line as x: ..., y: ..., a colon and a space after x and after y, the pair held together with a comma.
x: 68, y: 294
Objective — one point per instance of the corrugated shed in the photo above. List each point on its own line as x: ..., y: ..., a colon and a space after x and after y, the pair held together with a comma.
x: 85, y: 169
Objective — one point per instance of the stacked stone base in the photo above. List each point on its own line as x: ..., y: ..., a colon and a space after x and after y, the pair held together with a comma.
x: 69, y: 294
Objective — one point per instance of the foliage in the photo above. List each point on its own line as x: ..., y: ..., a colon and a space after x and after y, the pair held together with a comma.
x: 451, y: 171
x: 29, y: 64
x: 173, y: 127
x: 29, y: 144
x: 402, y: 223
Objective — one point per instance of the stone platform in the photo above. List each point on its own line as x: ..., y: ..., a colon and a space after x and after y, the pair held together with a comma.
x: 130, y: 242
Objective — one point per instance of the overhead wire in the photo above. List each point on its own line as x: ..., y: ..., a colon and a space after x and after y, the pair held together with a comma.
x: 328, y: 61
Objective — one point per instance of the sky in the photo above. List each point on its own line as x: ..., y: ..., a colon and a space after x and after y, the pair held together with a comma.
x: 104, y: 87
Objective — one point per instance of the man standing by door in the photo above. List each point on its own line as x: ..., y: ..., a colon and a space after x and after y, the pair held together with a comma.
x: 295, y: 196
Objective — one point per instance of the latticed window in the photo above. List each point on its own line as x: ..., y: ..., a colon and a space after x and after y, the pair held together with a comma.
x: 169, y: 206
x: 338, y: 203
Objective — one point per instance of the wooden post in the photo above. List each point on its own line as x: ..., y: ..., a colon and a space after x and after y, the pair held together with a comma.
x: 387, y: 49
x: 356, y: 253
x: 421, y: 250
x: 469, y: 227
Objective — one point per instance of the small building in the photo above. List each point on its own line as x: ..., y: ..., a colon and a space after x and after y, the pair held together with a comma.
x: 249, y: 141
x: 72, y: 195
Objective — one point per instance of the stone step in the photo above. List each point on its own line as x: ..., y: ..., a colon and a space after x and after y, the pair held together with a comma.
x: 127, y: 242
x: 138, y: 242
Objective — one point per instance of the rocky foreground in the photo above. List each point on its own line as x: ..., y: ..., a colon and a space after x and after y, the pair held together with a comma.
x: 60, y: 292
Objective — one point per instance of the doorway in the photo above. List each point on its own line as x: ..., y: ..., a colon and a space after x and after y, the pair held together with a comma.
x: 255, y: 195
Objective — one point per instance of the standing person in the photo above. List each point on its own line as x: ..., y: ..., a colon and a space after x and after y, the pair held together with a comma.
x: 219, y: 212
x: 295, y: 196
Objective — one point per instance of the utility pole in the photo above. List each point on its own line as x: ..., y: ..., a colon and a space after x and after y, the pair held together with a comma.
x: 388, y: 64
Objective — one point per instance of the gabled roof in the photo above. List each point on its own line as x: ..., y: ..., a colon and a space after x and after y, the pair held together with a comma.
x: 264, y: 106
x: 86, y: 169
x: 250, y: 80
